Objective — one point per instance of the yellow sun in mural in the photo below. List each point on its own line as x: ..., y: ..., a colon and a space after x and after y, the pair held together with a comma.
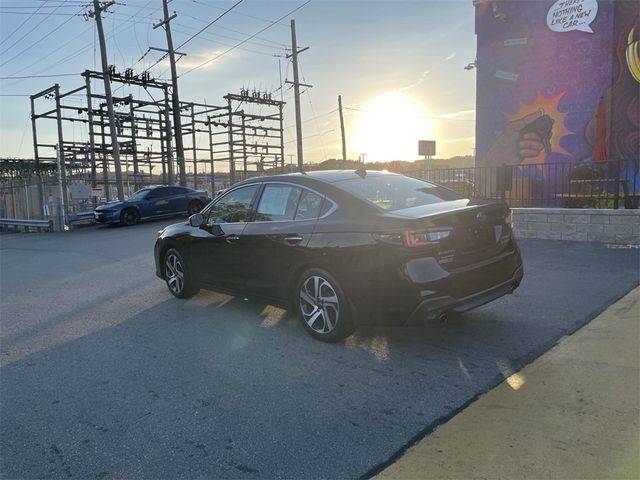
x: 548, y: 106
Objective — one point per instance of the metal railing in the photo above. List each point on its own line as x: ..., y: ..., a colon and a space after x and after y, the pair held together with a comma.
x: 613, y: 184
x: 26, y: 225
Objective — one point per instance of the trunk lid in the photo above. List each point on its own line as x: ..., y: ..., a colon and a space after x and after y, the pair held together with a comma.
x: 477, y: 231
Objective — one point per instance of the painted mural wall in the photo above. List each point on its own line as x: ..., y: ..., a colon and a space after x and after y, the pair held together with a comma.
x: 558, y: 82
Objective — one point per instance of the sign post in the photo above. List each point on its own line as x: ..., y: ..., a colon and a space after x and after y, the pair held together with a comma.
x: 427, y: 148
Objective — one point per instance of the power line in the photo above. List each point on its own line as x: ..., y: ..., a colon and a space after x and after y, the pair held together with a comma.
x: 59, y: 48
x: 315, y: 117
x: 36, y: 26
x: 39, y: 76
x: 278, y: 44
x: 199, y: 31
x: 21, y: 25
x: 258, y: 52
x: 38, y: 8
x: 209, y: 24
x: 259, y: 44
x: 37, y: 41
x: 276, y: 22
x: 5, y: 12
x: 246, y: 40
x: 85, y: 48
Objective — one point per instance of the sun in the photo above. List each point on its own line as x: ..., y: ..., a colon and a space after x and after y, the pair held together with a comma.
x: 389, y: 128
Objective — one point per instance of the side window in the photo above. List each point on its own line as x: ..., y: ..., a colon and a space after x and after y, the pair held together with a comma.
x: 171, y: 191
x: 278, y: 202
x: 233, y: 207
x: 309, y: 206
x: 158, y: 193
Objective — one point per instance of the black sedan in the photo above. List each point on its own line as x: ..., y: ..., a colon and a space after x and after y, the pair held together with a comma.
x: 343, y: 247
x: 152, y: 202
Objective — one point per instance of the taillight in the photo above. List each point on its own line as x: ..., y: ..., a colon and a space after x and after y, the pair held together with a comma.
x: 424, y: 238
x: 415, y: 238
x: 508, y: 218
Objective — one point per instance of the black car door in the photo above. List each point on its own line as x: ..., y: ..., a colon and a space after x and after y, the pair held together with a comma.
x: 276, y: 238
x: 217, y: 249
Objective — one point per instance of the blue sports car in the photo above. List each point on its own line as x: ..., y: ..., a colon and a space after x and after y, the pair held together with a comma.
x: 152, y: 202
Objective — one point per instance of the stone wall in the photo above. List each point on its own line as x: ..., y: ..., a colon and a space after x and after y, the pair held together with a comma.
x: 584, y: 225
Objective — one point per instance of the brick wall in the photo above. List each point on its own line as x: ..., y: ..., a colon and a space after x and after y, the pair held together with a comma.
x: 584, y: 225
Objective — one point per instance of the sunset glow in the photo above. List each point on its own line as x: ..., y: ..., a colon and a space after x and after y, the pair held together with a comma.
x: 389, y: 127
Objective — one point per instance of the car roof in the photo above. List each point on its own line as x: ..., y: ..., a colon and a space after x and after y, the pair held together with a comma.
x: 327, y: 176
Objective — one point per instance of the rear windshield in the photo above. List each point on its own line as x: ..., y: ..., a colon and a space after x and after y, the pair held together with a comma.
x: 395, y: 192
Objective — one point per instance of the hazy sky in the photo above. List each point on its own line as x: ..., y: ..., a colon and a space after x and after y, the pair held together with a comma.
x: 398, y: 65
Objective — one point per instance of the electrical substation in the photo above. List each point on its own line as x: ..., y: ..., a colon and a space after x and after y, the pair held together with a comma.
x: 114, y: 132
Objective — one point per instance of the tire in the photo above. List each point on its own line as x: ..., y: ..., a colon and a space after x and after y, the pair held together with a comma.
x: 194, y: 207
x: 179, y: 280
x: 129, y: 216
x: 323, y: 308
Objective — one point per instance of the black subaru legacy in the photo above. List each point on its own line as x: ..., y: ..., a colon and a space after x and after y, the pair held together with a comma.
x: 343, y: 247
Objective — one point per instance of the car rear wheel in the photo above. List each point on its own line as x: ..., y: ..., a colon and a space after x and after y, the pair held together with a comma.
x: 129, y: 216
x: 178, y: 278
x: 322, y: 306
x: 194, y: 207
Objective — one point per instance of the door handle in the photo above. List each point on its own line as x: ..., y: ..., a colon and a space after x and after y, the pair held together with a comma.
x: 293, y: 239
x: 232, y: 238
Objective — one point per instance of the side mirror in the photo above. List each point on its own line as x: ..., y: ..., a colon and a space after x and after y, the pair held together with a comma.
x: 196, y: 220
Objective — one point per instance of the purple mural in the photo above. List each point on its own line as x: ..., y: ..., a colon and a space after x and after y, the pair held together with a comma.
x: 558, y: 83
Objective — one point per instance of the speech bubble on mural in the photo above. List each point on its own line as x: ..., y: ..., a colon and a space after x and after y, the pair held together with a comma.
x: 569, y: 15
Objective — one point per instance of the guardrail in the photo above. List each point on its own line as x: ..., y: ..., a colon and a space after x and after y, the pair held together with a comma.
x: 27, y: 225
x: 81, y: 217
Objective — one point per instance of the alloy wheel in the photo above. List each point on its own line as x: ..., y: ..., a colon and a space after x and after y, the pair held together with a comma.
x: 174, y: 273
x: 129, y: 217
x: 319, y: 304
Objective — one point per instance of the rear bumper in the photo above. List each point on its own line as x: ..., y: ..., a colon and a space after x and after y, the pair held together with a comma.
x: 433, y: 307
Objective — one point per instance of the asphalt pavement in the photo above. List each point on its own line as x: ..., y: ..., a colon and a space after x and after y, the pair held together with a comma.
x: 573, y: 413
x: 103, y: 374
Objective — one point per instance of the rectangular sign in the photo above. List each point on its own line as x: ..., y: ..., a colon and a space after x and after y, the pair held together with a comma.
x: 427, y: 147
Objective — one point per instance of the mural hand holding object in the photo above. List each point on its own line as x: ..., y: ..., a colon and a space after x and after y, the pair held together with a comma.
x: 524, y: 138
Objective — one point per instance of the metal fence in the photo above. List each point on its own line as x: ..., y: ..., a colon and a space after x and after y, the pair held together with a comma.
x: 613, y: 184
x: 19, y: 197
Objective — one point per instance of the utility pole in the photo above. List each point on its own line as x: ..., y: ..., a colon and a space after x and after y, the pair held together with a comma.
x: 37, y: 159
x: 344, y: 142
x: 175, y: 100
x: 92, y: 140
x: 97, y: 10
x: 296, y: 90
